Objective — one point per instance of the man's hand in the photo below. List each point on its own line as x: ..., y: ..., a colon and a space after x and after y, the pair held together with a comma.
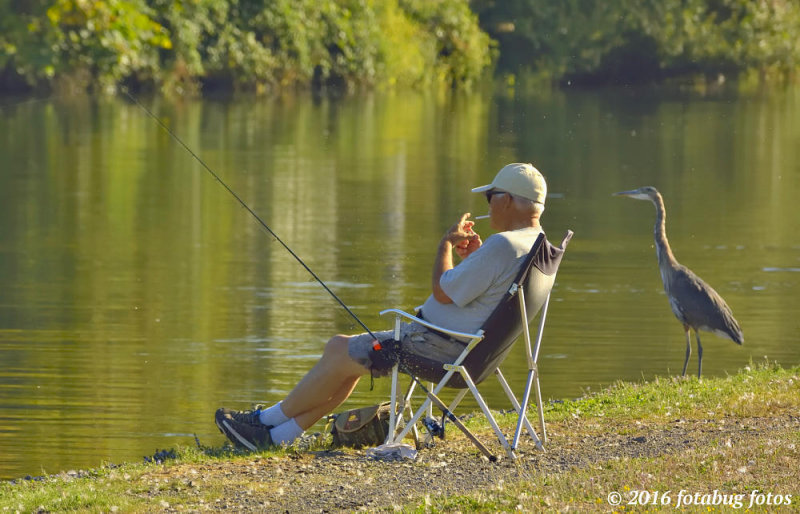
x: 461, y: 231
x: 463, y: 238
x: 467, y: 246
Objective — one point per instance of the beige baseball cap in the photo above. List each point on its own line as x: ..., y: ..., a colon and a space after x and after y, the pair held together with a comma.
x: 519, y: 179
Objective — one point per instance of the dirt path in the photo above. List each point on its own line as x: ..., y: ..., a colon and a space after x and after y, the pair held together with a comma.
x: 349, y: 480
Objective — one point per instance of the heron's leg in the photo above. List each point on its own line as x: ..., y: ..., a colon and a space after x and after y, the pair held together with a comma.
x: 688, y: 350
x: 699, y: 354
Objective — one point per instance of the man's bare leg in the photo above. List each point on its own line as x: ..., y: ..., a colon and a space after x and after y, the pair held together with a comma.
x: 335, y: 373
x: 308, y: 418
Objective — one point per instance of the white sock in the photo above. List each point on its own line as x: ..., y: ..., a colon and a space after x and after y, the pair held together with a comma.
x: 273, y: 416
x: 285, y: 433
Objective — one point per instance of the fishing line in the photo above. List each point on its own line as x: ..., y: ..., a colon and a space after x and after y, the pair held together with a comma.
x: 247, y: 207
x: 377, y: 345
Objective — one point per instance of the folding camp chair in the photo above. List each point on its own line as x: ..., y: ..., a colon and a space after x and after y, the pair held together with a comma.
x: 485, y: 350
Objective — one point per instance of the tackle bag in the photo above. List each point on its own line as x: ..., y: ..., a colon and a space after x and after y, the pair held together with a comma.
x: 364, y: 427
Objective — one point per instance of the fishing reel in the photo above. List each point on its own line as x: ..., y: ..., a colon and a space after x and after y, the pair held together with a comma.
x: 434, y: 428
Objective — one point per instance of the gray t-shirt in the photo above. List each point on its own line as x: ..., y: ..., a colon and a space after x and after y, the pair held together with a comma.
x: 477, y: 283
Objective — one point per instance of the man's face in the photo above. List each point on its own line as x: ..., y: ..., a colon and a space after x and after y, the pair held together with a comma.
x: 498, y: 207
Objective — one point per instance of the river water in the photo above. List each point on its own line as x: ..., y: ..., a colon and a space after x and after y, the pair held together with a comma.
x: 137, y: 296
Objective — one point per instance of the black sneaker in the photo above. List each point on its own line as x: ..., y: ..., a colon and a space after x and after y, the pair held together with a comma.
x: 243, y: 428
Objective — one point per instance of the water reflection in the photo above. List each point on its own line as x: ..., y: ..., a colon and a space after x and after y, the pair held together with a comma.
x: 136, y: 295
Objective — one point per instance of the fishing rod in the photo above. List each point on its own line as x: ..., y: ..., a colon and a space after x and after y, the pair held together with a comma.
x: 376, y: 345
x: 248, y: 209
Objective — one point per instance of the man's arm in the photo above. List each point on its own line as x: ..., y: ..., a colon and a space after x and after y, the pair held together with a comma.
x: 465, y: 240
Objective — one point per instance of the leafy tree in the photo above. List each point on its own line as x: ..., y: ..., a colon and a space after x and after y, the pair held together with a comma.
x: 103, y: 41
x: 183, y: 45
x: 635, y: 40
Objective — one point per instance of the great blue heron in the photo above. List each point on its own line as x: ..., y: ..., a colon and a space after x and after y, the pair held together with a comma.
x: 693, y: 302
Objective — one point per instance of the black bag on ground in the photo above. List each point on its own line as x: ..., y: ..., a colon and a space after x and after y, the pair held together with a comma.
x: 364, y: 427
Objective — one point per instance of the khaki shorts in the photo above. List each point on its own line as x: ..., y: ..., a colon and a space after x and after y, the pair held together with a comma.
x: 415, y: 339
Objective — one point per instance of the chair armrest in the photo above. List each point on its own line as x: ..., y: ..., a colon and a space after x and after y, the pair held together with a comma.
x: 454, y: 333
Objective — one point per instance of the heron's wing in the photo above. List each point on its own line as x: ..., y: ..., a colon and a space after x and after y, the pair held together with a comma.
x: 701, y: 306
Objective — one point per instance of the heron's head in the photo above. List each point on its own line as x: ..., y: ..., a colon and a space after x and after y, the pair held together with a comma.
x: 643, y: 193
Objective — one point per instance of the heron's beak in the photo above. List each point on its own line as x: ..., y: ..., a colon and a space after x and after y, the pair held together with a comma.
x: 636, y: 194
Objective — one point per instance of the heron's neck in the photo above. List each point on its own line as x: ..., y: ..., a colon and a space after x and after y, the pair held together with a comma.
x: 663, y: 251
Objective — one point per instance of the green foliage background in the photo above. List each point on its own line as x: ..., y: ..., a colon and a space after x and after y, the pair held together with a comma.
x: 239, y: 44
x: 260, y: 45
x: 624, y: 41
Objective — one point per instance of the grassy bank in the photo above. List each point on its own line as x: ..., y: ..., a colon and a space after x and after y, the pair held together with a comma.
x: 714, y: 445
x: 738, y: 435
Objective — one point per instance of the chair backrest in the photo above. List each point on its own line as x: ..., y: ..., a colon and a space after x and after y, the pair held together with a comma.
x: 536, y: 276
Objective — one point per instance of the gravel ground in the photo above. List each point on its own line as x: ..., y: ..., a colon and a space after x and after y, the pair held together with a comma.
x: 350, y: 480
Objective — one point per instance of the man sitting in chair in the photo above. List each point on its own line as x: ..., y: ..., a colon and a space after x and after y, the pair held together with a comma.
x: 463, y: 297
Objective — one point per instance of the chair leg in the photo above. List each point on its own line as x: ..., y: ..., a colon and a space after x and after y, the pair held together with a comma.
x: 521, y: 413
x: 540, y: 408
x: 430, y: 407
x: 406, y: 408
x: 393, y: 420
x: 411, y: 425
x: 459, y: 396
x: 453, y: 404
x: 399, y: 409
x: 532, y: 355
x: 486, y: 412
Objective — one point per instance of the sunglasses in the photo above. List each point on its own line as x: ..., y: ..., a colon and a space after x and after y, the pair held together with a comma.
x: 490, y: 194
